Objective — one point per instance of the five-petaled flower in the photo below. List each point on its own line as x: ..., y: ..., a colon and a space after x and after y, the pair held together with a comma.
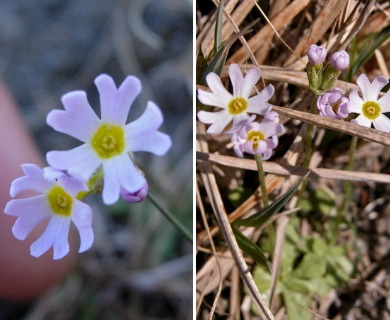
x: 370, y: 108
x: 333, y: 104
x: 56, y: 201
x: 109, y: 140
x: 235, y: 106
x: 257, y: 138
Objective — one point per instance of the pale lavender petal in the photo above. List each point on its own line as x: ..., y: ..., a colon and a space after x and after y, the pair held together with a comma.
x: 155, y: 142
x: 216, y: 86
x: 270, y: 128
x: 135, y: 197
x: 219, y: 124
x: 61, y: 244
x: 150, y: 120
x: 115, y: 103
x: 77, y: 120
x: 237, y: 79
x: 56, y: 226
x: 384, y: 102
x: 33, y: 180
x: 239, y: 120
x: 259, y: 103
x: 80, y: 162
x: 363, y: 121
x: 250, y: 81
x: 19, y: 207
x: 371, y: 90
x: 211, y: 117
x: 212, y: 99
x: 382, y: 123
x: 364, y: 84
x: 82, y: 218
x: 120, y: 171
x: 355, y: 103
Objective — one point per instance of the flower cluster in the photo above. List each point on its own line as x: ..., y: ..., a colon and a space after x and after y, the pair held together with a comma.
x: 247, y: 135
x: 366, y: 110
x: 102, y: 163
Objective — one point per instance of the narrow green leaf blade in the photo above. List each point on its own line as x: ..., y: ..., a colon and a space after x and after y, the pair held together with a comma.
x: 218, y: 26
x: 251, y: 249
x: 262, y: 216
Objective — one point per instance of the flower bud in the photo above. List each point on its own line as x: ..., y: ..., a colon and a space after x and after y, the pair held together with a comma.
x: 137, y: 196
x: 316, y: 54
x: 340, y: 60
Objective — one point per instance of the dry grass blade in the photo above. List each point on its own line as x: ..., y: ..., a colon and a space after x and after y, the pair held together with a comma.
x: 286, y: 170
x: 341, y: 126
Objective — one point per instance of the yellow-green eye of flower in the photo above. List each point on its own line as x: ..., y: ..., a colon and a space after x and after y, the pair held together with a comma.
x: 371, y: 110
x: 108, y: 141
x: 255, y: 137
x: 237, y: 105
x: 60, y: 202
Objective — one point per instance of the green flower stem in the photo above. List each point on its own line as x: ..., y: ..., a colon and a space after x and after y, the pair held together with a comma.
x: 347, y: 189
x: 263, y: 187
x: 264, y: 196
x: 171, y: 219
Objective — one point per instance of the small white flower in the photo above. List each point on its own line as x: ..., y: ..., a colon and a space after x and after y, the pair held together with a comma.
x: 370, y: 108
x: 235, y: 106
x: 56, y: 201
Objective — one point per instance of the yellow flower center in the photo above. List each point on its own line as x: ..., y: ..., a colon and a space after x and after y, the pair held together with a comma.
x: 237, y: 105
x: 255, y: 137
x: 371, y: 110
x: 108, y: 141
x: 60, y: 202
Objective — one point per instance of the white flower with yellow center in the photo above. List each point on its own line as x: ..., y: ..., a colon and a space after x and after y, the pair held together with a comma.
x: 370, y: 108
x: 109, y: 140
x: 235, y: 106
x: 57, y: 202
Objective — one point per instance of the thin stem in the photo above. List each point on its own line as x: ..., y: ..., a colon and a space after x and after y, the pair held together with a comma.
x: 171, y: 219
x: 263, y: 187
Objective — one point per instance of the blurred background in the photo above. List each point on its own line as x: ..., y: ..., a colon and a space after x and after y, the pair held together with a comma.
x: 139, y: 267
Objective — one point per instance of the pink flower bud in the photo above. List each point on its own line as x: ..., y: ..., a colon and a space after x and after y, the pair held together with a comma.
x: 316, y: 54
x: 340, y: 60
x: 137, y: 196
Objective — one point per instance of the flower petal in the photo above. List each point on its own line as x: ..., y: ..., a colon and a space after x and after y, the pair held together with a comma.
x: 371, y: 90
x: 33, y: 180
x: 155, y: 142
x: 355, y: 103
x: 237, y: 79
x: 250, y: 81
x: 56, y: 229
x: 120, y: 171
x: 363, y: 121
x: 210, y: 117
x: 150, y: 120
x: 220, y: 123
x: 382, y: 123
x: 82, y: 218
x: 77, y: 120
x: 212, y: 99
x: 259, y: 103
x: 80, y: 162
x: 384, y: 102
x: 60, y: 243
x: 115, y: 103
x: 216, y: 86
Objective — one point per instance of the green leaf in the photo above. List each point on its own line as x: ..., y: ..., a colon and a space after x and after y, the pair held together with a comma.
x: 262, y: 216
x: 218, y: 26
x: 311, y: 266
x: 294, y: 301
x: 251, y: 249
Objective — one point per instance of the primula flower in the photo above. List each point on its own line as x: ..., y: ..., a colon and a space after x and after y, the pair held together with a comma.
x: 333, y: 104
x: 235, y: 106
x: 316, y: 54
x: 108, y: 141
x: 370, y: 108
x: 57, y: 202
x: 257, y: 138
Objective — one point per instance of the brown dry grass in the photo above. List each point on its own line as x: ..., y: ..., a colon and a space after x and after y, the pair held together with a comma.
x: 277, y: 45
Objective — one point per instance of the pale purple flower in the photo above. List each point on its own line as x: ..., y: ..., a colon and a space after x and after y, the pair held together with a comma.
x: 234, y: 106
x: 333, y: 104
x: 109, y: 140
x: 340, y: 60
x: 370, y: 108
x: 135, y: 197
x: 257, y: 138
x: 316, y: 54
x: 57, y: 202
